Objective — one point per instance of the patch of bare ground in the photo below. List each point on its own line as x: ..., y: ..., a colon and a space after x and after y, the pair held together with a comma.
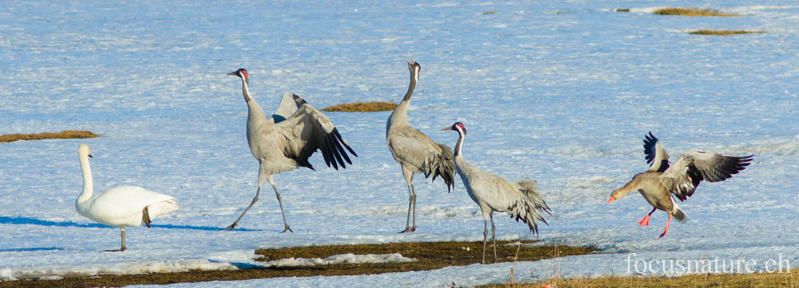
x: 724, y: 32
x: 428, y: 255
x: 362, y: 107
x: 68, y: 134
x: 695, y: 280
x: 674, y: 11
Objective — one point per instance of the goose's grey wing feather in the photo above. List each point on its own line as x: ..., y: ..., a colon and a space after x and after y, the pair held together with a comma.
x: 682, y: 178
x: 656, y: 156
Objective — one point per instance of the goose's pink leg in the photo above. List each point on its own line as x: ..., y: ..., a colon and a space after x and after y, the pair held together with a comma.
x: 645, y: 220
x: 667, y: 228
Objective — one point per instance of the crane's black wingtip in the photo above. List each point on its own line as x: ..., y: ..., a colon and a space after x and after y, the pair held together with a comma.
x: 341, y: 140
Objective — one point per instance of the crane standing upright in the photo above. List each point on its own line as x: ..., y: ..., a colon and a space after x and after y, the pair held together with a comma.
x: 286, y: 140
x: 414, y: 150
x: 493, y: 193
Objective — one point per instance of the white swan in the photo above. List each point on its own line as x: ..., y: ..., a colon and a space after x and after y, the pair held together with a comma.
x: 119, y: 206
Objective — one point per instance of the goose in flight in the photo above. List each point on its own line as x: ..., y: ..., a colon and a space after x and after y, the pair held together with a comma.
x: 492, y: 193
x: 662, y: 182
x: 414, y: 150
x: 286, y: 140
x: 119, y: 206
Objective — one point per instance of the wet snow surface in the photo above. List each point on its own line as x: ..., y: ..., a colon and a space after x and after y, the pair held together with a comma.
x: 559, y: 91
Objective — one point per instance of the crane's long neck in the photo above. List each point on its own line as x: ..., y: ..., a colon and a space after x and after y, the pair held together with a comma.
x: 412, y: 86
x: 88, y: 183
x: 459, y: 144
x: 400, y: 114
x: 255, y: 115
x: 245, y: 89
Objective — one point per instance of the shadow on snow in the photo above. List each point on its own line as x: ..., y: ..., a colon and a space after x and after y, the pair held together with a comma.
x: 34, y: 221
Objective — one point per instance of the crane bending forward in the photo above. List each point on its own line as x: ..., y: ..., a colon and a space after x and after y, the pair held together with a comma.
x: 286, y: 140
x: 492, y: 193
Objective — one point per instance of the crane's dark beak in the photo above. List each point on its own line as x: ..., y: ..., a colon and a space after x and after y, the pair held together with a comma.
x: 233, y: 73
x: 448, y: 128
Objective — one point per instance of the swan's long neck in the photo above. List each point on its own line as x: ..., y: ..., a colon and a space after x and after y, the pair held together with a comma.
x: 400, y: 114
x: 88, y: 183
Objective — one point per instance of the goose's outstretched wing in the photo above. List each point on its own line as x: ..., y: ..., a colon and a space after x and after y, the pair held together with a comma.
x: 656, y: 156
x: 307, y: 130
x: 682, y: 178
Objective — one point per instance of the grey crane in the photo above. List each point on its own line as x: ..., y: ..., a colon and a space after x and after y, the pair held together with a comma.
x: 492, y: 193
x: 286, y: 140
x: 662, y: 181
x: 414, y: 150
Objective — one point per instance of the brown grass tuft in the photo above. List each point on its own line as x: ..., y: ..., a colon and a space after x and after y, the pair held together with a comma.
x: 362, y: 107
x: 429, y: 256
x: 689, y: 12
x: 694, y: 280
x: 623, y: 10
x: 723, y: 32
x: 69, y: 134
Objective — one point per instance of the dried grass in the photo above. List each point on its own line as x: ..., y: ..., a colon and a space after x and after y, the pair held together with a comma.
x: 362, y: 107
x: 694, y: 280
x: 724, y: 32
x: 429, y: 255
x: 69, y: 134
x: 689, y: 12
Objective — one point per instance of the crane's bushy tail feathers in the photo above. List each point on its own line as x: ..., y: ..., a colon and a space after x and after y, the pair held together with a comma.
x: 443, y: 165
x: 531, y: 205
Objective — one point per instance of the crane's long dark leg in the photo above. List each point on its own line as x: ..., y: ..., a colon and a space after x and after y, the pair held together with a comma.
x: 261, y: 177
x: 411, y: 200
x: 257, y: 192
x: 494, y: 236
x: 279, y: 201
x: 123, y: 248
x: 485, y: 238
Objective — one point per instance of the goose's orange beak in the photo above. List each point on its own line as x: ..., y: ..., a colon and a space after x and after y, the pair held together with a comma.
x: 611, y: 199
